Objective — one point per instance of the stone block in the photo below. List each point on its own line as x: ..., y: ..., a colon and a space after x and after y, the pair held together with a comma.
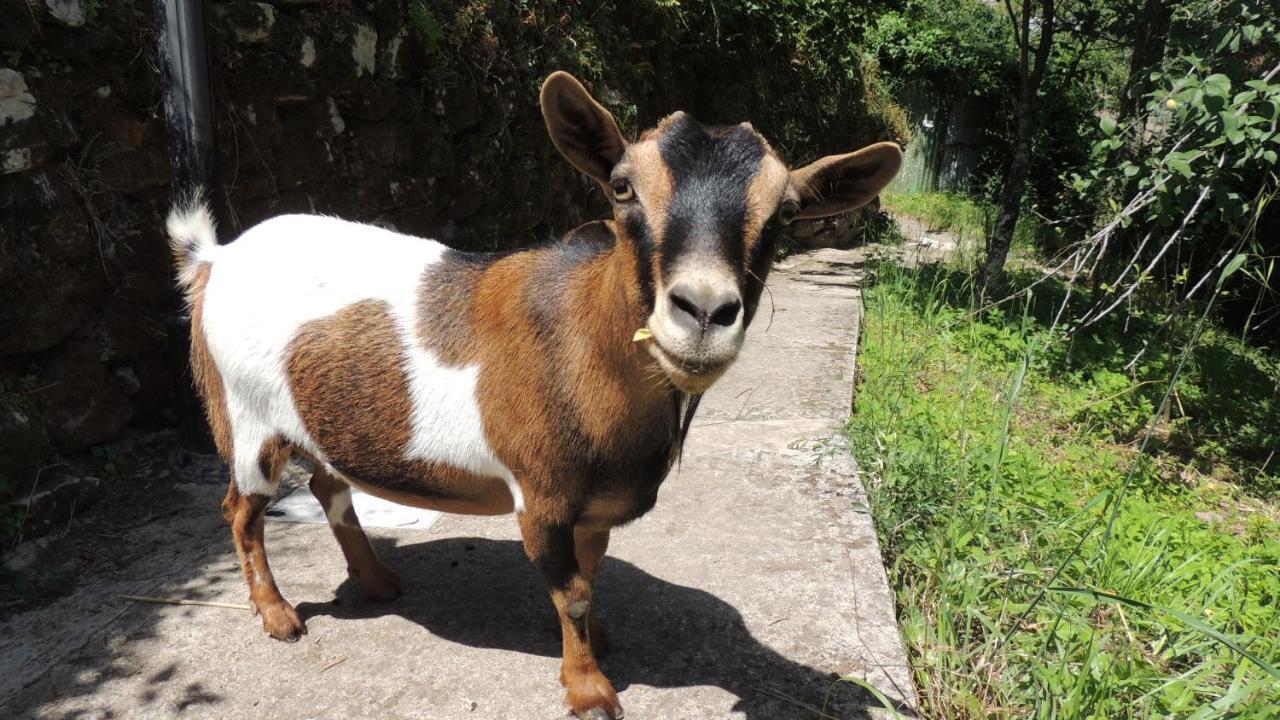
x: 249, y: 22
x: 58, y: 497
x: 46, y: 299
x: 364, y: 49
x: 135, y: 170
x: 17, y: 104
x: 77, y: 398
x: 16, y: 33
x: 66, y: 238
x: 461, y: 107
x: 72, y: 13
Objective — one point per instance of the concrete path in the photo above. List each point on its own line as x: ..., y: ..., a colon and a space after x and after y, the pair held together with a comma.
x: 755, y: 582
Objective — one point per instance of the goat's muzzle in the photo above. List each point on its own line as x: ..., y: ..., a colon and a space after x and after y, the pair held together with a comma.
x: 697, y: 327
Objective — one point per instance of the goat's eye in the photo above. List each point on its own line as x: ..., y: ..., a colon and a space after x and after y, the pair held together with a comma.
x: 622, y: 190
x: 787, y: 213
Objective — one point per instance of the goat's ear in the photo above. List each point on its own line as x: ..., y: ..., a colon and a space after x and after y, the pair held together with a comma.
x: 837, y: 183
x: 582, y: 130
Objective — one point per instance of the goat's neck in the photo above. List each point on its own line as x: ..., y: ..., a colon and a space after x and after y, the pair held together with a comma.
x: 605, y: 307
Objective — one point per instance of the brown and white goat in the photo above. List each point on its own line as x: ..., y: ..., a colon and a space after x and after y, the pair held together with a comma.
x: 487, y: 384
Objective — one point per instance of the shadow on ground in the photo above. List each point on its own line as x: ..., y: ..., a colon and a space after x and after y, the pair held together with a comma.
x: 483, y: 593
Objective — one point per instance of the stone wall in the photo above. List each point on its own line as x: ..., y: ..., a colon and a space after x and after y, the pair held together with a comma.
x: 374, y: 110
x: 325, y: 107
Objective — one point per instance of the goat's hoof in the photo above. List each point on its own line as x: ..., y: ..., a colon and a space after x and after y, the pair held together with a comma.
x: 592, y: 697
x: 282, y: 622
x: 598, y: 714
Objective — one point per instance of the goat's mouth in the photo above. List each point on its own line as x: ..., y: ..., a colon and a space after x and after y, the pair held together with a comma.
x: 691, y: 375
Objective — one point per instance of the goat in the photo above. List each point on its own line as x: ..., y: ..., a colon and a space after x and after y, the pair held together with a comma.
x: 556, y: 382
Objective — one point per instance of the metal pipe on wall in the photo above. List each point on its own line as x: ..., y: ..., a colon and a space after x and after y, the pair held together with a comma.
x: 193, y: 157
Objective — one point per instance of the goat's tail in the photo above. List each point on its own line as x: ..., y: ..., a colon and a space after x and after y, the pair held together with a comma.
x: 193, y: 239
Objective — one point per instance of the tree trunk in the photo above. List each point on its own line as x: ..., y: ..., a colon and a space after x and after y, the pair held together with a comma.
x: 1009, y: 206
x: 1150, y: 33
x: 1030, y: 75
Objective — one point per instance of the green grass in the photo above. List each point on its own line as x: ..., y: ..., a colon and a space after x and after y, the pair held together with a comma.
x: 954, y: 212
x: 1059, y: 545
x: 966, y: 217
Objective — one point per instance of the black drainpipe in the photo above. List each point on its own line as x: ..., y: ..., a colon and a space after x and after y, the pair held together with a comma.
x: 193, y: 157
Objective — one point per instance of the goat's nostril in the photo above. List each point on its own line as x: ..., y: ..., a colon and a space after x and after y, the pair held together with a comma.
x: 727, y: 314
x: 687, y: 306
x: 706, y: 305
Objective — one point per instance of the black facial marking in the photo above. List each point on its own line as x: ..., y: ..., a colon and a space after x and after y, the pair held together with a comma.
x: 711, y: 170
x: 759, y: 264
x: 638, y: 230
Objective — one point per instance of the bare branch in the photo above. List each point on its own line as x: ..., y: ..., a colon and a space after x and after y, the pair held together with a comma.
x: 1186, y: 220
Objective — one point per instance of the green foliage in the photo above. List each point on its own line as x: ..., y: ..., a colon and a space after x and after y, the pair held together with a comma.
x: 428, y: 28
x: 796, y: 70
x: 1218, y: 129
x: 962, y: 54
x: 967, y: 217
x: 114, y: 462
x: 956, y: 47
x: 1200, y: 161
x: 955, y: 212
x: 1046, y: 564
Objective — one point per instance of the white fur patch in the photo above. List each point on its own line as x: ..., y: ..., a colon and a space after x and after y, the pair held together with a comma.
x: 193, y: 237
x: 297, y: 268
x: 339, y: 504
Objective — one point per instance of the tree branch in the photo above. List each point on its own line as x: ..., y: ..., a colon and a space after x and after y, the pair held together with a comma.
x: 1048, y: 20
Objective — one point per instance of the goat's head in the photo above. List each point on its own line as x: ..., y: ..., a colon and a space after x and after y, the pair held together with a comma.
x: 703, y: 207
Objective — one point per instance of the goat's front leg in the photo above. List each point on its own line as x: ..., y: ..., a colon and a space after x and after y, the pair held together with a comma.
x: 552, y: 549
x: 590, y: 544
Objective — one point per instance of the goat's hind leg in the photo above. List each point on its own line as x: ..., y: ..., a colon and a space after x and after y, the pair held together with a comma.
x: 363, y: 564
x: 245, y: 513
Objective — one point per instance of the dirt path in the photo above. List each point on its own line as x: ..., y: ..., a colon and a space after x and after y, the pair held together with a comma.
x: 756, y: 578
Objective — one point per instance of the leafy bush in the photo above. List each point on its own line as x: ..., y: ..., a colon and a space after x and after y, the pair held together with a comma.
x: 1191, y: 178
x: 957, y: 48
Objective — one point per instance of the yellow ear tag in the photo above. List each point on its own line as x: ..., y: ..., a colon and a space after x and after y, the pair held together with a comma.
x: 643, y: 333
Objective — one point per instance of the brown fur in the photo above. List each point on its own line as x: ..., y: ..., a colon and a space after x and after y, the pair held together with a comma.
x: 588, y: 373
x: 542, y: 377
x: 653, y: 182
x: 363, y: 564
x: 663, y: 125
x: 245, y: 514
x: 349, y: 385
x: 205, y: 372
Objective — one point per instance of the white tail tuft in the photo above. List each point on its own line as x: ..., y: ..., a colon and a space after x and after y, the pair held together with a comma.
x: 193, y: 238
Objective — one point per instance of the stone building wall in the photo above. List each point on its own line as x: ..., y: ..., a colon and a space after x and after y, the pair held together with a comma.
x: 327, y: 107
